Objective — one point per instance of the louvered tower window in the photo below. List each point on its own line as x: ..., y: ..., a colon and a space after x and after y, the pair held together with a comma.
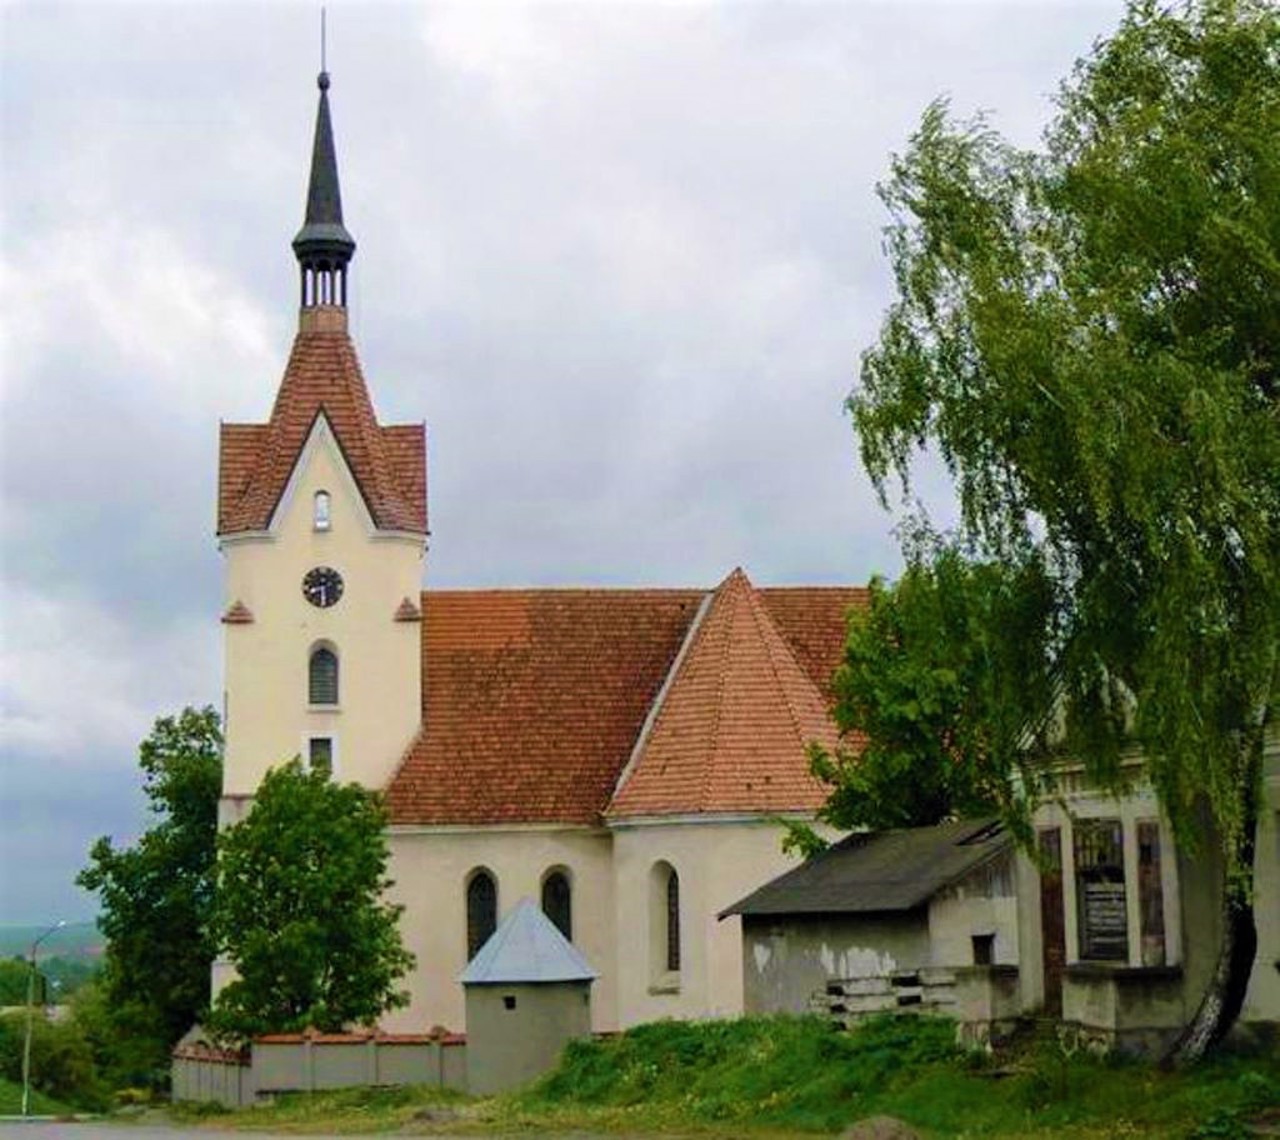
x: 323, y: 677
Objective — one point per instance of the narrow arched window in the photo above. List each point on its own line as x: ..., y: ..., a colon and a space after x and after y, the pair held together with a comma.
x: 557, y: 902
x: 482, y: 911
x: 673, y: 921
x: 320, y: 511
x: 322, y: 679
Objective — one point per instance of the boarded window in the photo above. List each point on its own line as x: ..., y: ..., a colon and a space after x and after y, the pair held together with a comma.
x: 322, y: 677
x: 1150, y: 894
x: 1100, y: 895
x: 557, y: 902
x: 673, y: 921
x: 482, y: 911
x: 320, y: 754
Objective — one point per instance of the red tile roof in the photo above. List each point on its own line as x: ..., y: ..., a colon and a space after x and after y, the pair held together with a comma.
x: 732, y: 732
x: 323, y: 376
x: 813, y: 620
x: 533, y: 701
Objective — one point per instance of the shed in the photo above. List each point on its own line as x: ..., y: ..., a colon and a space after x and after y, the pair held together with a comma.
x: 528, y: 993
x: 878, y: 905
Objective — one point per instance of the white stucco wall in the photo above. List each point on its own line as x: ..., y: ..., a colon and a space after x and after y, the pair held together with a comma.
x: 1262, y: 1002
x: 431, y: 867
x: 268, y: 719
x: 967, y: 909
x: 719, y: 860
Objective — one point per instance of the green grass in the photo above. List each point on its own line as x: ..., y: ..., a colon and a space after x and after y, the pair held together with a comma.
x: 773, y: 1077
x: 797, y: 1075
x: 41, y: 1105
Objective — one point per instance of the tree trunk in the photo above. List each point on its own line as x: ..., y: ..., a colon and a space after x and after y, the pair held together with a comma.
x: 1224, y: 996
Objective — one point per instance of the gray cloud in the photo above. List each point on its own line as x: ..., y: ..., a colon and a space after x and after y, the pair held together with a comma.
x: 621, y: 258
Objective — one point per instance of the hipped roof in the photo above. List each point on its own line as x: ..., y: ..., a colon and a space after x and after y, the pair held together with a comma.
x: 536, y: 701
x: 733, y: 730
x: 527, y: 947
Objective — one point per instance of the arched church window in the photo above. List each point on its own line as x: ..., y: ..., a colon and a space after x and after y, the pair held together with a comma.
x: 557, y: 902
x: 673, y: 921
x: 320, y: 510
x: 664, y: 928
x: 322, y: 680
x: 482, y: 911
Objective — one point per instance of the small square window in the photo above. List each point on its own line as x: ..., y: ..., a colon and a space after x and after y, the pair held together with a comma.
x: 509, y: 1001
x: 984, y: 949
x: 320, y: 754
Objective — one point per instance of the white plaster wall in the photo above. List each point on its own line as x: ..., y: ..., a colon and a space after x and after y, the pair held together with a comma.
x: 430, y: 868
x: 788, y: 960
x: 1030, y: 937
x: 954, y: 920
x: 1262, y: 1002
x: 718, y: 861
x: 267, y: 716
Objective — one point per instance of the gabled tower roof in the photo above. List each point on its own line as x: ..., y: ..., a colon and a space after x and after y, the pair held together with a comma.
x: 323, y: 377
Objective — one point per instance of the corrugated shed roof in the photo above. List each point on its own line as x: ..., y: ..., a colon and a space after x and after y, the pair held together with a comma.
x: 323, y: 376
x: 879, y: 872
x: 526, y: 947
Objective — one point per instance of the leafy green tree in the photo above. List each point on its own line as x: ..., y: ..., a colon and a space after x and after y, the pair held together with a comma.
x: 938, y: 683
x: 1088, y: 335
x: 156, y: 896
x: 62, y: 1064
x: 14, y: 980
x: 300, y: 913
x: 67, y: 975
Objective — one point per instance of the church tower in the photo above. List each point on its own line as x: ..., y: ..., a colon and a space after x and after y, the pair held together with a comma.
x: 322, y: 521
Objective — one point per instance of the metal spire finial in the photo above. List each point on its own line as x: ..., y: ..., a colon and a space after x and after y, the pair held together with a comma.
x: 322, y: 80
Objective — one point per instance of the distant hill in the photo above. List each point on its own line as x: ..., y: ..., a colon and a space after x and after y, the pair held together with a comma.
x: 76, y: 940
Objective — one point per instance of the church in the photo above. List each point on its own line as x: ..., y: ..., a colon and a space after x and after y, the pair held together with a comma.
x: 620, y: 756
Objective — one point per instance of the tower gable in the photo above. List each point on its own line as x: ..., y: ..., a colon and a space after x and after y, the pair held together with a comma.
x: 322, y: 379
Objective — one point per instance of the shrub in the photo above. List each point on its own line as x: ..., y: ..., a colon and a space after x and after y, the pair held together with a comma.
x: 62, y: 1063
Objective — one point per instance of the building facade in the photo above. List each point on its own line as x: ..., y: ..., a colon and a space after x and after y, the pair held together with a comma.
x: 621, y: 756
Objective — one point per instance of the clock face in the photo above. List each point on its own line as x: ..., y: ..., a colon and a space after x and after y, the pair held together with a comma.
x: 322, y: 586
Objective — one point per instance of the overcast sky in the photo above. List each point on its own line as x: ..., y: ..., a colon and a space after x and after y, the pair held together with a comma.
x: 621, y: 258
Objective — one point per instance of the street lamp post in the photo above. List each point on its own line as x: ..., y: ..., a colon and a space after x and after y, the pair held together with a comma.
x: 31, y: 998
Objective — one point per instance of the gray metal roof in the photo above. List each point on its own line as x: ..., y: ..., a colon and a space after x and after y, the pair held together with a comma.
x: 323, y: 233
x: 526, y: 947
x: 879, y: 872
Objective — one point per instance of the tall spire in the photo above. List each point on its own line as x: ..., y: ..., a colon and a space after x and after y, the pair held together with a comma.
x: 323, y: 245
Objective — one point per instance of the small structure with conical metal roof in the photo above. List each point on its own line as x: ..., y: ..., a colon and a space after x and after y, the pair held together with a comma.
x: 528, y: 995
x: 323, y: 245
